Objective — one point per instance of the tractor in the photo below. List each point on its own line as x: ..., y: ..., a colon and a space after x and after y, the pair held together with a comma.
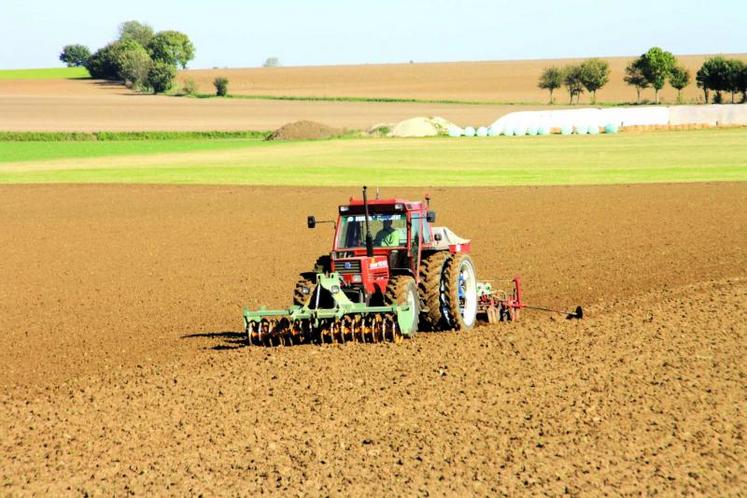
x: 390, y: 273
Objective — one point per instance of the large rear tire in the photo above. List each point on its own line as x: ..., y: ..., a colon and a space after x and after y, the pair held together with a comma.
x: 432, y: 271
x: 402, y: 289
x: 460, y: 291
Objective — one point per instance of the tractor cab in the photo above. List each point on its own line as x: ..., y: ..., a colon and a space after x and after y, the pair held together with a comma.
x: 367, y: 251
x: 377, y: 239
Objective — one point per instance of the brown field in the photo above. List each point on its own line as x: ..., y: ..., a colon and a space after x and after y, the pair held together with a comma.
x: 124, y: 370
x: 501, y: 81
x: 113, y: 112
x: 85, y: 105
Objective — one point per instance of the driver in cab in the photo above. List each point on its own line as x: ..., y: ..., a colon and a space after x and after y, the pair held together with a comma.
x: 388, y: 236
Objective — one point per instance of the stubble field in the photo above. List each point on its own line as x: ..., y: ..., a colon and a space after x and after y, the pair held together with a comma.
x: 125, y: 372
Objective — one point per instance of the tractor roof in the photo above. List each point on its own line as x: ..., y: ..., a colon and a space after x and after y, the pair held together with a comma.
x: 409, y: 205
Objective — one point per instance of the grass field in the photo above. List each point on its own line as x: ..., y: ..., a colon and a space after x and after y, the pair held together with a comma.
x: 43, y: 151
x: 683, y: 156
x: 43, y: 74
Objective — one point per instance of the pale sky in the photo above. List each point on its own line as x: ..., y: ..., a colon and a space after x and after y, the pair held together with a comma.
x: 233, y: 33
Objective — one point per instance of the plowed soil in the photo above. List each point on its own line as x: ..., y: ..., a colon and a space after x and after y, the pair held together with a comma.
x: 124, y: 369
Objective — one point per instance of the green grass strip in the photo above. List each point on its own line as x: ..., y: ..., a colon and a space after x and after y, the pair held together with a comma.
x: 114, y: 136
x: 653, y: 157
x: 44, y: 73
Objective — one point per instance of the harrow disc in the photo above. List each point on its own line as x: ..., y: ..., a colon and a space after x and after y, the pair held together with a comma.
x: 371, y: 328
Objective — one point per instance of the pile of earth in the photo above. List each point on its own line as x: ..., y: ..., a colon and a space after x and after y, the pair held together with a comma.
x: 304, y: 130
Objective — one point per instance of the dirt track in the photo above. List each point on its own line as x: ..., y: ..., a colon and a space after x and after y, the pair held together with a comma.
x: 124, y: 371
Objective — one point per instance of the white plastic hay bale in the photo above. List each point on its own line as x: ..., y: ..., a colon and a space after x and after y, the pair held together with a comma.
x: 455, y: 131
x: 566, y: 130
x: 543, y: 130
x: 532, y: 130
x: 611, y: 128
x: 593, y: 130
x: 469, y: 131
x: 520, y: 130
x: 581, y: 129
x: 493, y: 131
x: 482, y: 131
x: 508, y: 132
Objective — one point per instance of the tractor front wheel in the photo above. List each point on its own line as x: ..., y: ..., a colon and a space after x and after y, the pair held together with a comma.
x: 460, y: 289
x: 402, y: 289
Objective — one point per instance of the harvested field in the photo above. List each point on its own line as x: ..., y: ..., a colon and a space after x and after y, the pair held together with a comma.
x: 131, y: 112
x: 124, y: 369
x: 501, y: 81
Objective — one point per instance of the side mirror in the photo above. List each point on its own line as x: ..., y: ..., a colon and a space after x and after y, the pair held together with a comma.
x: 311, y: 222
x: 431, y: 216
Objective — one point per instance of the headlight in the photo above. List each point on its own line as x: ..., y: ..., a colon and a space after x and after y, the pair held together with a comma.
x: 334, y: 289
x: 357, y: 279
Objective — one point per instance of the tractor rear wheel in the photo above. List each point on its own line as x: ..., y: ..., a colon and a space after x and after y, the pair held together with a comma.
x: 402, y: 289
x: 460, y: 292
x: 431, y: 289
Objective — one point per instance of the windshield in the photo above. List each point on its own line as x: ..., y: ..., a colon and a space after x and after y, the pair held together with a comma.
x: 387, y: 230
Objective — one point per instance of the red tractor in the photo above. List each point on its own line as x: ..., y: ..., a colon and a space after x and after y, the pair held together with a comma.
x: 387, y: 252
x: 390, y: 273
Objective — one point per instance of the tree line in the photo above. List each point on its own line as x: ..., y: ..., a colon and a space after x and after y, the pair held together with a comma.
x: 140, y: 58
x: 652, y: 69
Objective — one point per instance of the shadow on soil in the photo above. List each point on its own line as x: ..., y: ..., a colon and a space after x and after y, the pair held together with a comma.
x: 228, y: 340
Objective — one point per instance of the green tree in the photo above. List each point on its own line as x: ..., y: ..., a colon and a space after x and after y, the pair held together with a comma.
x: 221, y: 86
x: 551, y: 79
x: 573, y: 82
x: 595, y: 73
x: 137, y: 31
x: 171, y: 47
x: 101, y: 65
x: 75, y: 55
x: 714, y: 75
x: 634, y: 77
x: 271, y: 62
x: 742, y: 83
x: 736, y: 67
x: 133, y: 64
x: 161, y: 76
x: 679, y: 78
x: 656, y: 64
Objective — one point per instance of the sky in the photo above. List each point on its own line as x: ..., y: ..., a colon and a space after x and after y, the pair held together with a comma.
x: 234, y: 33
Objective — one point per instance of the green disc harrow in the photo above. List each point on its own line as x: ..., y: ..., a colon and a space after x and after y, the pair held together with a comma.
x: 329, y: 316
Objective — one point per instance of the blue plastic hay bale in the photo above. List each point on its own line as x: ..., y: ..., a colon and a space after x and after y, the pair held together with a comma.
x: 593, y: 130
x: 455, y: 131
x: 611, y: 128
x: 508, y: 132
x: 469, y: 132
x: 493, y: 131
x: 543, y: 130
x: 520, y: 131
x: 581, y: 130
x: 532, y: 130
x: 482, y: 131
x: 566, y: 130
